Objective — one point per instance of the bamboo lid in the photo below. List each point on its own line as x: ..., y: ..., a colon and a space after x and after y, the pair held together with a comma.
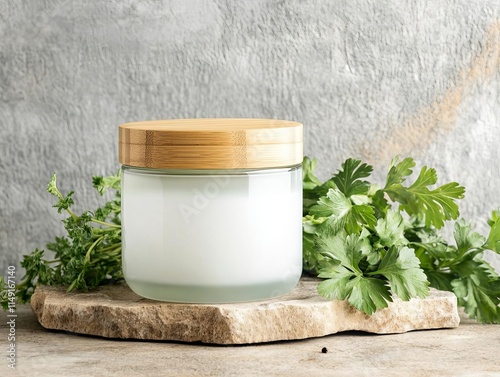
x: 211, y: 144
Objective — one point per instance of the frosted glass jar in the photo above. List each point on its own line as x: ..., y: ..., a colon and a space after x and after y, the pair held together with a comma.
x: 211, y: 208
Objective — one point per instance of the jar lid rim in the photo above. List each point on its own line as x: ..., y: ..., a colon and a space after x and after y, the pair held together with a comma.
x: 209, y: 143
x: 208, y: 124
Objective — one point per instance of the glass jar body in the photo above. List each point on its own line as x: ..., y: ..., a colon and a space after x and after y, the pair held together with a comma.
x: 212, y: 236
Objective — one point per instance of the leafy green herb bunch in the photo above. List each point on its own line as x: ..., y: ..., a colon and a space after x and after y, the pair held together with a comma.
x: 370, y: 243
x: 88, y: 256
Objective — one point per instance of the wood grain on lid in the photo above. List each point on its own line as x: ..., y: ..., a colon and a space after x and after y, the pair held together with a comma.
x: 211, y: 143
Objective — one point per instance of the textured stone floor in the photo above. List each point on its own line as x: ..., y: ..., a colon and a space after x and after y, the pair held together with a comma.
x: 470, y: 350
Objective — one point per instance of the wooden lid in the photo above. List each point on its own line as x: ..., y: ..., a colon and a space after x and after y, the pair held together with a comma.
x: 211, y: 144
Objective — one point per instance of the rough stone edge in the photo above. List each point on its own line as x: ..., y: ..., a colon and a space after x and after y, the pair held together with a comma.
x: 338, y: 316
x: 224, y: 325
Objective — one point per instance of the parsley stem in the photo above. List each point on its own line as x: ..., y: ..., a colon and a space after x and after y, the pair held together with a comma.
x: 105, y: 223
x: 51, y: 261
x: 87, y: 255
x: 110, y: 247
x: 71, y: 213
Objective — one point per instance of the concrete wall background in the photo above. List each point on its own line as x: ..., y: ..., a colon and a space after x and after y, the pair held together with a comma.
x: 369, y: 79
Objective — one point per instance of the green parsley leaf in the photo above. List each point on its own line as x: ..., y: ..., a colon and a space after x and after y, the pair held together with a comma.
x: 336, y: 286
x: 342, y: 248
x: 495, y: 216
x: 460, y: 269
x: 345, y: 280
x: 399, y: 171
x: 313, y: 189
x: 437, y: 206
x: 466, y: 239
x: 310, y: 181
x: 493, y: 241
x: 390, y: 229
x: 342, y: 213
x: 360, y: 216
x: 477, y: 292
x: 349, y: 179
x: 440, y: 279
x: 310, y: 257
x: 368, y: 294
x: 335, y: 203
x: 402, y: 268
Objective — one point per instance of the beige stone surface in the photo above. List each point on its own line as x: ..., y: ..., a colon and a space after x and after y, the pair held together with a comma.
x: 116, y: 312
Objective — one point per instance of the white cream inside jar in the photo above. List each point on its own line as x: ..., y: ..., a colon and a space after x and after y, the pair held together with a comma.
x: 211, y: 209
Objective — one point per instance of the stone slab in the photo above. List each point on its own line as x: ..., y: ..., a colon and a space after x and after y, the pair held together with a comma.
x: 116, y: 312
